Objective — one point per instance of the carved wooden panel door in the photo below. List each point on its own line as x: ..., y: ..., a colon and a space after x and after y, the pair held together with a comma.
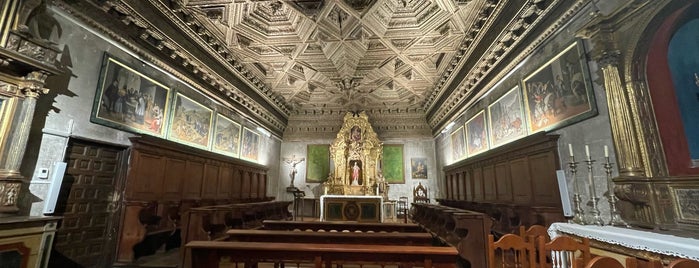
x: 88, y: 202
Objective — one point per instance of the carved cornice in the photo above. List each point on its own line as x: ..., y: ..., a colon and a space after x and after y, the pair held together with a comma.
x: 208, y: 80
x: 440, y: 117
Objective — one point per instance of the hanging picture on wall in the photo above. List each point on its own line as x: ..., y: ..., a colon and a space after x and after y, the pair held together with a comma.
x: 251, y: 145
x: 458, y: 147
x: 129, y: 100
x: 318, y: 164
x: 226, y: 136
x: 560, y: 92
x: 190, y: 123
x: 418, y: 167
x: 506, y: 118
x: 392, y: 163
x: 476, y: 136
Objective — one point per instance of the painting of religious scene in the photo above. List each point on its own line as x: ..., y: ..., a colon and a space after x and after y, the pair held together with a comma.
x: 418, y: 167
x: 191, y: 122
x: 476, y: 137
x: 226, y: 136
x: 458, y: 148
x: 392, y: 163
x: 356, y: 133
x: 507, y: 118
x: 251, y: 145
x: 559, y: 93
x: 129, y: 100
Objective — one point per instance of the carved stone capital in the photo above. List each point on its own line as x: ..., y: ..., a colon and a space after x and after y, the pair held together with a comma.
x: 32, y: 85
x: 608, y: 58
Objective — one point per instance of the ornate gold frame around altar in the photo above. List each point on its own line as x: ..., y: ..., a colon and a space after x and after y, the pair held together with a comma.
x: 356, y: 143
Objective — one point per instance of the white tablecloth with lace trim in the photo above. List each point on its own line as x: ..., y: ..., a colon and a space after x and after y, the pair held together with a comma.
x: 631, y: 238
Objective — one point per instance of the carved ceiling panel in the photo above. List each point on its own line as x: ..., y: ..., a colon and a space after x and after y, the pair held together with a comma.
x: 277, y: 59
x: 346, y: 54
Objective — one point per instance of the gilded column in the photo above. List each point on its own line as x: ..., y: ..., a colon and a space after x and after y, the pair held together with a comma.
x: 628, y: 153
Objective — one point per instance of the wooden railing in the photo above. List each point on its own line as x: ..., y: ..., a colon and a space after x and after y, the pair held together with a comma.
x: 343, y: 226
x: 412, y: 239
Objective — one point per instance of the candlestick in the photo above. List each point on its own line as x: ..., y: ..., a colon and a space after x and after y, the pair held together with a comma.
x: 606, y: 151
x: 570, y: 149
x: 579, y: 212
x: 615, y: 219
x: 594, y: 213
x: 587, y: 152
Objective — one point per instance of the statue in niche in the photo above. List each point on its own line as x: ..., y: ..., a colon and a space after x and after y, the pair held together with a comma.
x: 356, y: 172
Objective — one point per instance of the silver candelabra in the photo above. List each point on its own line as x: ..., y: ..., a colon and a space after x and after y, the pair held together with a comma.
x: 579, y: 212
x: 594, y: 213
x: 615, y: 219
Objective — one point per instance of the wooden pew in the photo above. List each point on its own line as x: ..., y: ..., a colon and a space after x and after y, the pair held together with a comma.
x: 342, y: 226
x: 208, y: 254
x: 413, y: 239
x: 465, y: 230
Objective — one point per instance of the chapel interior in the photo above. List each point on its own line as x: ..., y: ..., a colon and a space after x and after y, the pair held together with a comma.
x: 417, y: 133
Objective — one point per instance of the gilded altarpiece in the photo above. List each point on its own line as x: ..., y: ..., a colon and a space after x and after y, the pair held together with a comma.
x: 356, y: 152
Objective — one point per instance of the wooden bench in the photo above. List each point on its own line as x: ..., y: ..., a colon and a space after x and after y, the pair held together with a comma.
x: 342, y: 226
x: 209, y: 253
x: 465, y: 230
x: 414, y: 239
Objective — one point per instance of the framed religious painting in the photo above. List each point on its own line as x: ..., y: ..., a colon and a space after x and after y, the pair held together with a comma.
x: 418, y: 167
x: 317, y: 163
x: 129, y: 100
x: 251, y: 145
x: 226, y: 136
x: 506, y: 118
x: 458, y: 146
x: 476, y: 134
x: 392, y: 163
x: 191, y: 122
x: 560, y: 92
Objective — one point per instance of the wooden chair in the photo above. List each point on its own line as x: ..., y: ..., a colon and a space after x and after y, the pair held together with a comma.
x: 420, y: 194
x: 403, y: 208
x: 511, y: 251
x: 562, y: 251
x: 604, y: 262
x: 683, y: 263
x: 535, y: 231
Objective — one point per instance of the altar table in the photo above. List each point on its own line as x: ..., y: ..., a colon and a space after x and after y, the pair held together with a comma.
x: 360, y: 208
x: 667, y: 244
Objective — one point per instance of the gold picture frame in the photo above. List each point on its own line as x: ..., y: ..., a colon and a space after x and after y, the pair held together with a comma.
x: 191, y: 122
x: 129, y: 100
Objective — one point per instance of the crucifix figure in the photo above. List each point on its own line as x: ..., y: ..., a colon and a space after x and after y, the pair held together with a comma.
x: 292, y: 161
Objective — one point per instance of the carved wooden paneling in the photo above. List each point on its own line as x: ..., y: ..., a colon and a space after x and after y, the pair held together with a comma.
x: 254, y: 184
x: 210, y: 183
x: 545, y: 183
x: 237, y: 183
x: 519, y: 172
x: 245, y: 189
x: 503, y: 182
x: 477, y: 184
x: 192, y: 184
x: 174, y: 176
x: 225, y: 182
x: 489, y: 190
x: 146, y: 177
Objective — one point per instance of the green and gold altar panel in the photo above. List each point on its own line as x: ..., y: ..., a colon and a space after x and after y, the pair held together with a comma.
x: 351, y: 208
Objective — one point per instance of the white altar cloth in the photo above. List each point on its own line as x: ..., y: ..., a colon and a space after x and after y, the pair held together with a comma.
x: 632, y: 238
x: 323, y: 197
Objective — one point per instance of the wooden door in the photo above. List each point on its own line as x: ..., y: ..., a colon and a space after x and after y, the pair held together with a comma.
x: 88, y: 202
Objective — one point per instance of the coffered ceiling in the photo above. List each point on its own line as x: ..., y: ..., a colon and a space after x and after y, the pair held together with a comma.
x: 280, y: 58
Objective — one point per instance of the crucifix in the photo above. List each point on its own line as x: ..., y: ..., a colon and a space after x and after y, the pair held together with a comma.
x: 292, y: 161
